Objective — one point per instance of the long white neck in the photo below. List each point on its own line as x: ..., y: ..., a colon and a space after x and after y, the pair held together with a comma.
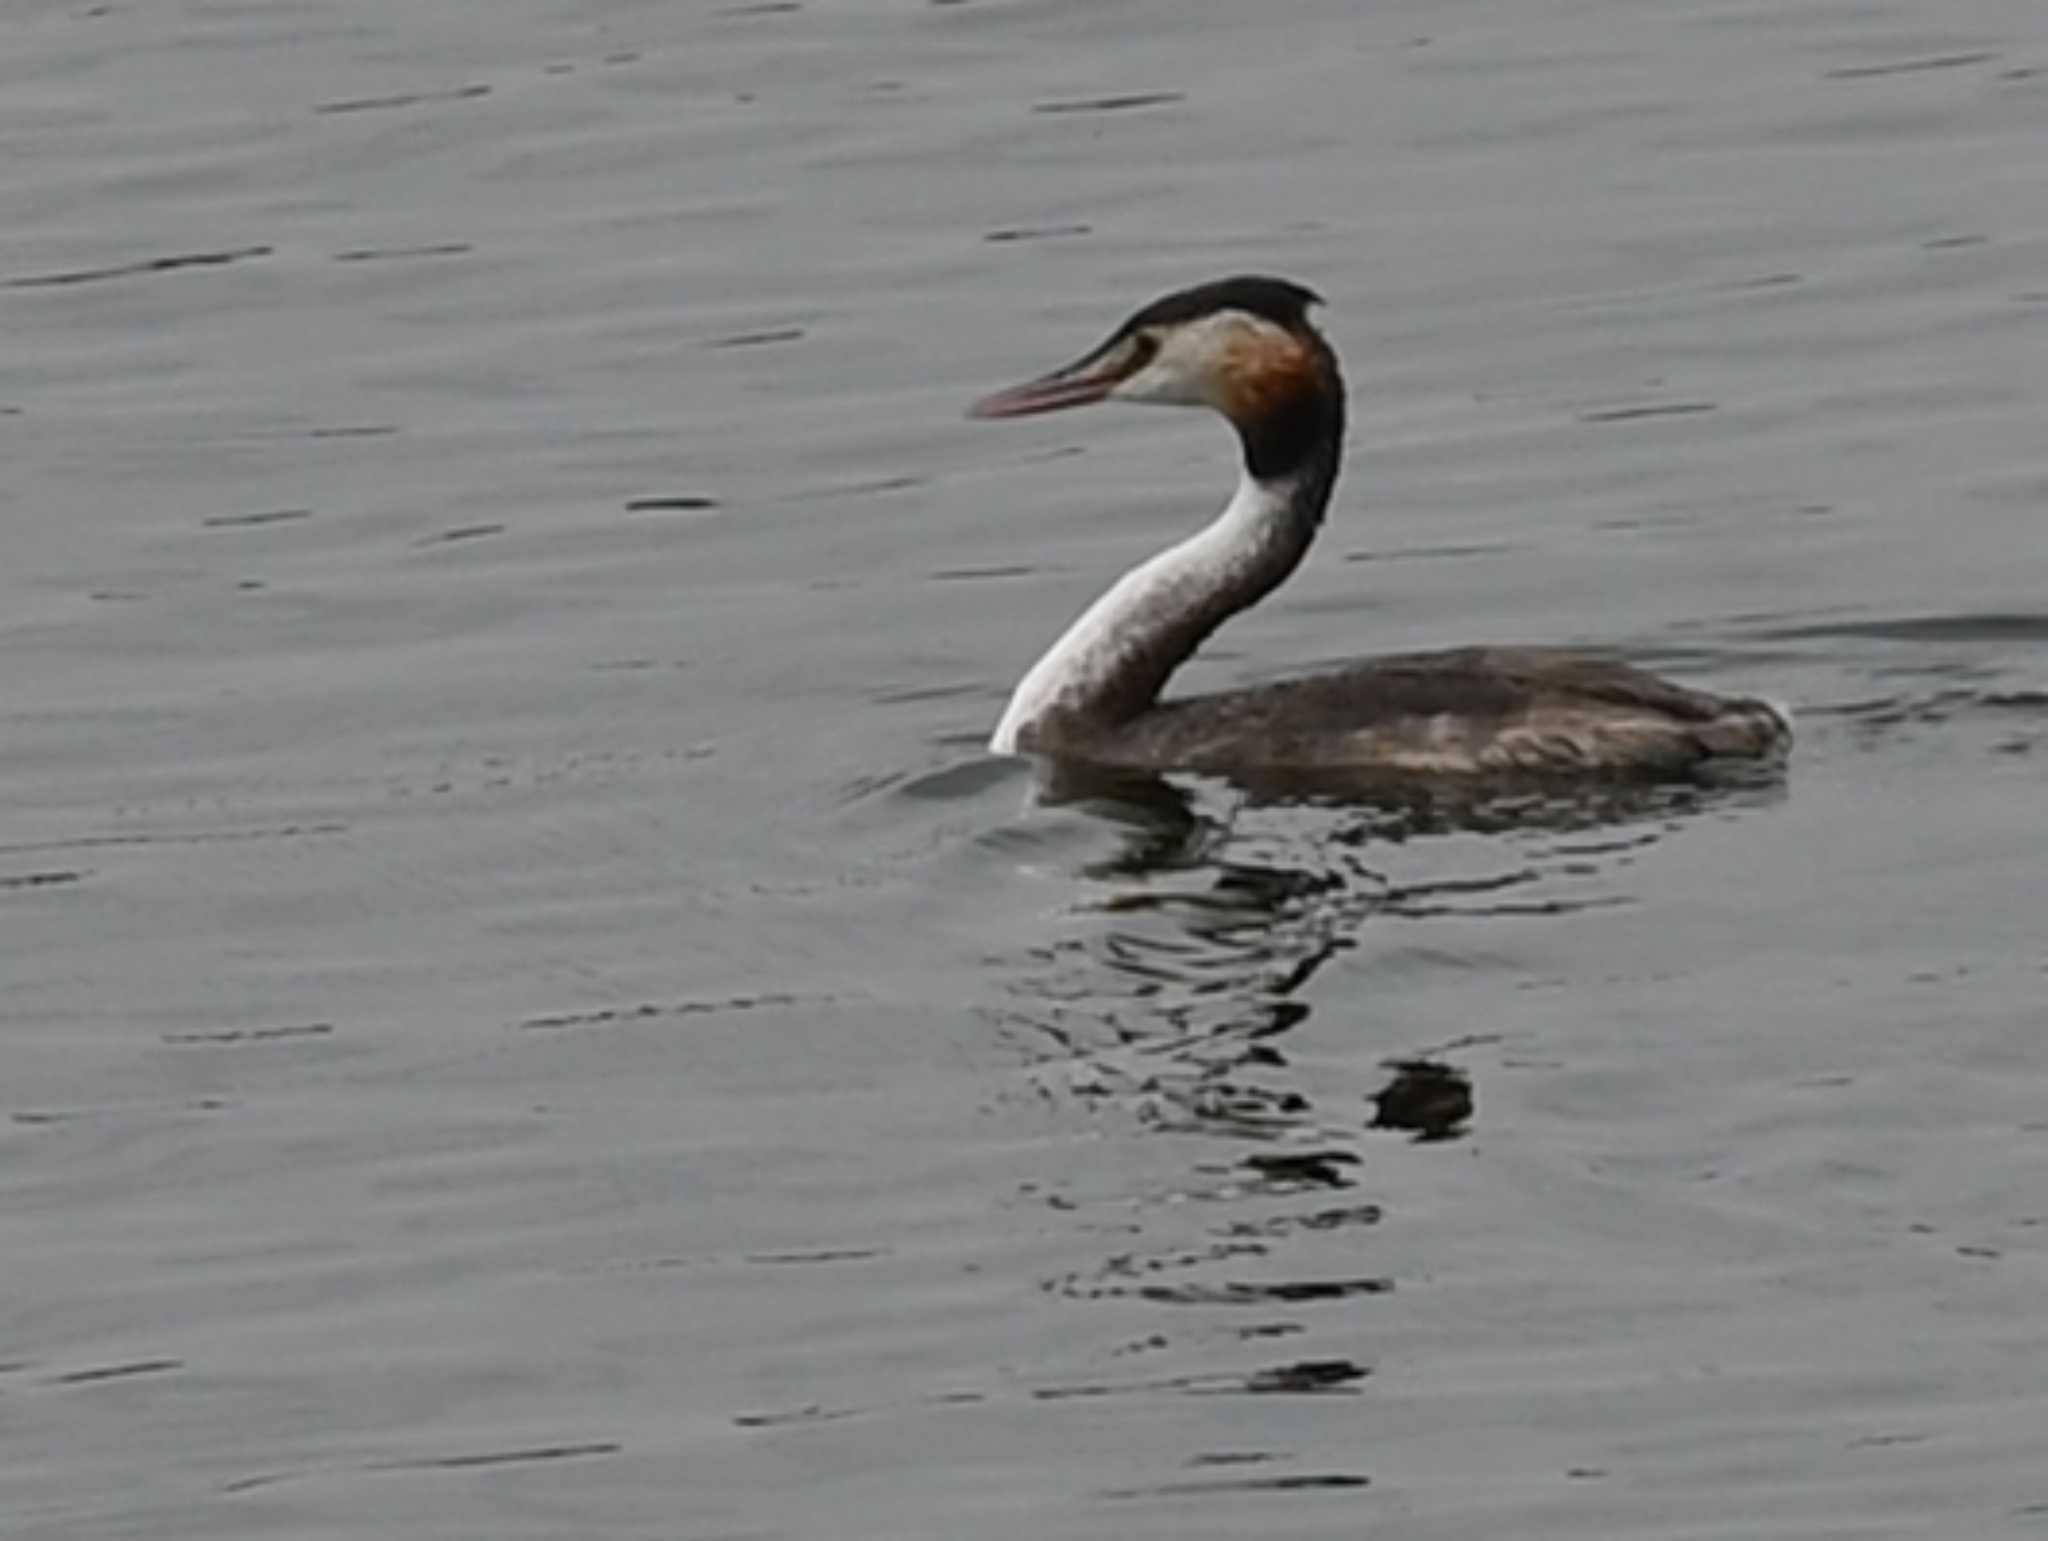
x: 1110, y: 665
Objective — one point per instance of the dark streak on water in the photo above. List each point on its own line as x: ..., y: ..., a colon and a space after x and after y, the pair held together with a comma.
x: 798, y: 1416
x: 759, y: 339
x: 1663, y: 409
x: 1304, y: 1483
x: 404, y: 253
x: 1038, y: 233
x: 404, y: 99
x: 461, y: 533
x: 984, y: 574
x: 2014, y: 627
x: 227, y: 1036
x: 184, y: 837
x: 612, y: 1016
x: 836, y: 1255
x: 149, y: 265
x: 250, y: 521
x: 677, y: 503
x: 1308, y: 1378
x: 1909, y: 66
x: 1127, y: 102
x: 575, y: 1452
x: 52, y: 879
x: 99, y: 1374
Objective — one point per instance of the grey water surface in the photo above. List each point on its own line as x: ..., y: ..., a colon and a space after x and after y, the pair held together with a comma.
x: 526, y: 1012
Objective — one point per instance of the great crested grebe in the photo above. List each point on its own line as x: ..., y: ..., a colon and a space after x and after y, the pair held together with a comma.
x: 1245, y: 348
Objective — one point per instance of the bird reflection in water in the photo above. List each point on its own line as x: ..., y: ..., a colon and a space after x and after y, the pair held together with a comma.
x: 1182, y: 1002
x: 1428, y: 1098
x: 1226, y: 899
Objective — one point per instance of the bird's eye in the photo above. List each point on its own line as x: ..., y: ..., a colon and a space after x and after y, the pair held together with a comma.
x: 1144, y: 348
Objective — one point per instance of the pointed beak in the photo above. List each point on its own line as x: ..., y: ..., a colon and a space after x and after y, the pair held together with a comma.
x: 1091, y: 379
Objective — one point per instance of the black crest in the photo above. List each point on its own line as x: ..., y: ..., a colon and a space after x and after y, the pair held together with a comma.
x: 1272, y: 299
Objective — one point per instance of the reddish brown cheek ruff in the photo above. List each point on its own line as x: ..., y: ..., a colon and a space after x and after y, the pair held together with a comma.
x: 1262, y: 372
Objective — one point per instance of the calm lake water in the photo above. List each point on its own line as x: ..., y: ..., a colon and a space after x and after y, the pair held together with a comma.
x: 527, y: 1012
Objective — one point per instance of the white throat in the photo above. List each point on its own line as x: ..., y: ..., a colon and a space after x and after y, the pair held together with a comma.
x: 1186, y: 589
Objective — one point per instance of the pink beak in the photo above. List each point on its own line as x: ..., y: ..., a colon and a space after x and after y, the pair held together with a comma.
x: 1074, y: 386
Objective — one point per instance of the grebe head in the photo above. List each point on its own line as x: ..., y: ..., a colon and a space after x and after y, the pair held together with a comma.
x: 1243, y: 347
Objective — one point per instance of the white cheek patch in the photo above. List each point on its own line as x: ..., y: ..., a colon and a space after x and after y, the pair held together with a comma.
x: 1192, y: 365
x: 1166, y: 381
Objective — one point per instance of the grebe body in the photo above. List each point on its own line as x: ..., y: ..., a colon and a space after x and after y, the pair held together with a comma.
x: 1246, y: 348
